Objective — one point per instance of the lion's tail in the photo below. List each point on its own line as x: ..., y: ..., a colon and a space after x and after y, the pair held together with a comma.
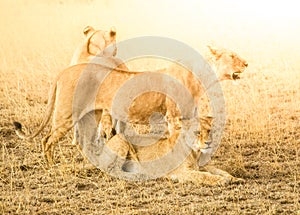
x: 50, y: 105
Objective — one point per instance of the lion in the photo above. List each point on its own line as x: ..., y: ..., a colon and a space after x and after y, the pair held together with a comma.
x: 222, y: 59
x: 61, y: 97
x: 188, y: 170
x: 228, y: 65
x: 96, y: 42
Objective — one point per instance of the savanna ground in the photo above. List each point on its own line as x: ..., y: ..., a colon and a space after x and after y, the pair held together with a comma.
x: 261, y: 142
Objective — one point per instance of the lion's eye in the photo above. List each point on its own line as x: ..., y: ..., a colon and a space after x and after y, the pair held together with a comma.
x: 197, y: 133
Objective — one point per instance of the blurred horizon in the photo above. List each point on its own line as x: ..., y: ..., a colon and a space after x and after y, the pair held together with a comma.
x: 264, y: 27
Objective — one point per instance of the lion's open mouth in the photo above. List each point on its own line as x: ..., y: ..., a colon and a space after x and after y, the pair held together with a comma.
x: 236, y: 75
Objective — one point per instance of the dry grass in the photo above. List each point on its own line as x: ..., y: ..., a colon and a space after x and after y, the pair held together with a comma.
x: 261, y: 142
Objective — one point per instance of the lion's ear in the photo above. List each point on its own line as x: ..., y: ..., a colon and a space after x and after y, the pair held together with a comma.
x: 214, y: 51
x: 87, y: 29
x: 112, y: 32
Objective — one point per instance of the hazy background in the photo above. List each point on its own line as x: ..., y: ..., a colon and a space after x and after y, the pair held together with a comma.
x: 248, y: 27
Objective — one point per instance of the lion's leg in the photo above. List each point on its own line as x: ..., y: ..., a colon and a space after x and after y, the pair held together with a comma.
x: 98, y: 114
x: 199, y: 177
x: 52, y: 139
x: 120, y: 126
x: 44, y: 145
x: 119, y: 146
x: 173, y: 122
x: 106, y: 123
x: 132, y: 153
x: 223, y: 173
x: 75, y: 135
x: 132, y: 163
x: 123, y: 151
x: 172, y: 117
x: 47, y: 150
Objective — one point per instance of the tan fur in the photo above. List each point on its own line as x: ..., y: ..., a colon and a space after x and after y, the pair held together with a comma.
x: 95, y: 42
x: 122, y: 148
x: 60, y: 103
x: 229, y: 64
x: 106, y: 125
x: 189, y: 169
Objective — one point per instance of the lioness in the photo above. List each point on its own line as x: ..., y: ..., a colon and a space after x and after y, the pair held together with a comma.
x: 95, y: 42
x: 188, y: 170
x: 229, y: 66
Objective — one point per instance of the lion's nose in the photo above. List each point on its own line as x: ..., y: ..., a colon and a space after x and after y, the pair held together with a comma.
x: 246, y: 64
x: 208, y: 143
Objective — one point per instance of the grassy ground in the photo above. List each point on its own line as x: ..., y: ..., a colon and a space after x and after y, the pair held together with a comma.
x: 261, y: 141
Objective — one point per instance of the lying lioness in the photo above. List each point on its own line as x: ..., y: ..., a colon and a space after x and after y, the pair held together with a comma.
x: 188, y: 170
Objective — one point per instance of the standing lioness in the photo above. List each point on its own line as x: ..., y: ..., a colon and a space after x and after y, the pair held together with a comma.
x: 60, y: 102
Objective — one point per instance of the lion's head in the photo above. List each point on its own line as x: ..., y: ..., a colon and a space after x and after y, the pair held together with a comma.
x: 203, y: 140
x: 96, y: 43
x: 229, y: 65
